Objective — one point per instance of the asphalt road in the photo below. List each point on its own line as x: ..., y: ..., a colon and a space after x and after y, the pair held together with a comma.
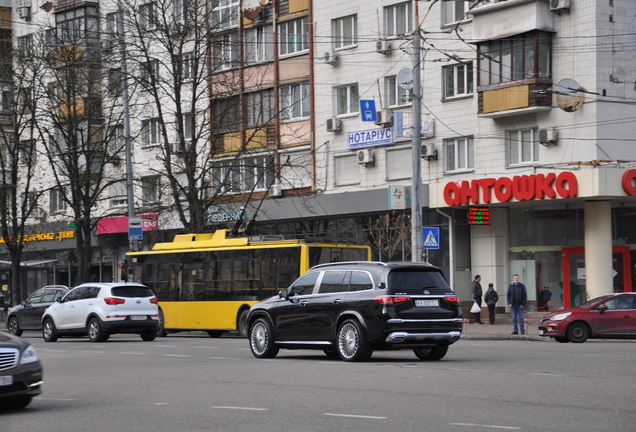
x: 195, y: 383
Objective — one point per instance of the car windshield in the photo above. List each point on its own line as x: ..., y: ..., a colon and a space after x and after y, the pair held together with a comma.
x: 593, y: 301
x: 131, y: 291
x: 415, y: 281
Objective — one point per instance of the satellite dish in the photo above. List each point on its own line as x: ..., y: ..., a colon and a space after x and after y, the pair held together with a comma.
x: 404, y: 79
x: 569, y: 95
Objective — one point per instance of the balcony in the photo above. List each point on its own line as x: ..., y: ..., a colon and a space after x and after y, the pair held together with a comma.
x: 516, y: 98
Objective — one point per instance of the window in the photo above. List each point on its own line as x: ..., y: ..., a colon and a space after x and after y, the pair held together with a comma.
x: 184, y: 64
x: 115, y: 138
x: 395, y: 94
x: 27, y: 152
x: 398, y: 19
x: 347, y: 170
x: 226, y: 176
x: 454, y: 11
x: 246, y: 174
x: 304, y: 285
x: 150, y: 132
x: 333, y: 282
x: 78, y: 25
x: 56, y: 200
x: 115, y: 83
x: 516, y: 58
x: 150, y: 187
x: 523, y: 146
x: 294, y: 101
x: 226, y: 50
x: 345, y: 31
x: 258, y: 172
x: 259, y: 44
x: 293, y: 36
x: 260, y: 107
x: 347, y: 100
x: 459, y: 154
x: 7, y: 98
x: 112, y: 24
x: 25, y: 43
x: 150, y: 72
x: 148, y: 16
x: 226, y: 114
x: 398, y: 163
x: 458, y: 80
x: 225, y: 14
x: 183, y: 10
x: 118, y: 194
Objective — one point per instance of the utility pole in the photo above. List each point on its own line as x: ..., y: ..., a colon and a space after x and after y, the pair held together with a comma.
x: 416, y: 185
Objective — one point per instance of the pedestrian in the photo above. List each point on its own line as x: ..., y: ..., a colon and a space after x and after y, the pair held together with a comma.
x: 477, y: 293
x: 490, y: 298
x: 516, y: 298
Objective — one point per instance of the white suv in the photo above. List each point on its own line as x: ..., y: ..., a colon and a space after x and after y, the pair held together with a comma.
x: 100, y: 309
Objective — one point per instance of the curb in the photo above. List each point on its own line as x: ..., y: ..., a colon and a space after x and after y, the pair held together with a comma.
x: 507, y: 337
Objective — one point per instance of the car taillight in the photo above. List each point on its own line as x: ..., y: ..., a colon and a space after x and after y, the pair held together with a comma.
x: 452, y: 299
x: 114, y: 300
x: 154, y: 300
x: 391, y: 300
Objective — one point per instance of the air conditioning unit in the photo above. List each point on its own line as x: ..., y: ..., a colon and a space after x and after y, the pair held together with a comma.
x: 331, y: 57
x: 383, y: 47
x: 428, y: 152
x: 365, y: 157
x: 276, y: 191
x: 559, y: 5
x: 334, y: 124
x: 548, y: 136
x: 24, y: 12
x: 385, y: 118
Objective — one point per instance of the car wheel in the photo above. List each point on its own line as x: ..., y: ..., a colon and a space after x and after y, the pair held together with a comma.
x: 14, y: 327
x: 561, y: 339
x: 162, y: 331
x: 436, y: 353
x: 17, y: 402
x: 49, y: 333
x: 149, y: 335
x: 95, y: 332
x: 352, y: 343
x: 262, y: 339
x: 578, y: 332
x: 242, y: 323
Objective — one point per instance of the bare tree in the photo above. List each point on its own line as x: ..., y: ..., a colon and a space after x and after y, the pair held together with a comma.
x: 390, y: 236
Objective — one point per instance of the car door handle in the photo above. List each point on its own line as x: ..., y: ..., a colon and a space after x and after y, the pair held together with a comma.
x: 337, y: 301
x: 304, y: 303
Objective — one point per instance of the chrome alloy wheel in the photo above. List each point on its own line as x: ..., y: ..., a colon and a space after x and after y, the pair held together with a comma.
x: 348, y: 340
x: 259, y: 338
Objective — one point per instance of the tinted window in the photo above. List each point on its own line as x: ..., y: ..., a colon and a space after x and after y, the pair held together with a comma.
x: 304, y: 285
x: 332, y: 282
x: 76, y: 294
x: 35, y: 297
x: 360, y: 281
x: 90, y: 292
x: 415, y: 281
x: 131, y: 291
x: 49, y: 296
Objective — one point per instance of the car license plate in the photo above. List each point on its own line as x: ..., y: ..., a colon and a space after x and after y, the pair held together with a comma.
x: 540, y: 332
x: 138, y: 317
x: 427, y: 303
x: 6, y: 380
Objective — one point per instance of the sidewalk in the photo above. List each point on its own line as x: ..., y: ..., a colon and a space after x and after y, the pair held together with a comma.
x: 502, y: 331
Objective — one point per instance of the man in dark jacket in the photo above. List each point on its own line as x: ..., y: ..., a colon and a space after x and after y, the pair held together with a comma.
x: 491, y: 298
x: 516, y: 298
x: 477, y: 293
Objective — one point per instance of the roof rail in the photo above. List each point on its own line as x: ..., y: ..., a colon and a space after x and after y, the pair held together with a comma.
x: 349, y: 263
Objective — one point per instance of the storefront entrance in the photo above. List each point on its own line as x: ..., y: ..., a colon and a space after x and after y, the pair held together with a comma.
x: 573, y: 266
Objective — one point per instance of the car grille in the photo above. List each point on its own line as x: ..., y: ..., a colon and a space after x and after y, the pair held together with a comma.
x: 8, y: 358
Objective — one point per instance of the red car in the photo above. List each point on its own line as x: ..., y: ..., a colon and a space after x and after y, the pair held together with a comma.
x: 611, y: 316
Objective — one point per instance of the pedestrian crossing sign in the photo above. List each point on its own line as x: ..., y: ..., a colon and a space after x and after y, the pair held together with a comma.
x: 431, y: 237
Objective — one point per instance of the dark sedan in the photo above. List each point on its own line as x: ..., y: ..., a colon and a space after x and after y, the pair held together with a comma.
x: 611, y: 316
x: 20, y: 372
x: 27, y: 316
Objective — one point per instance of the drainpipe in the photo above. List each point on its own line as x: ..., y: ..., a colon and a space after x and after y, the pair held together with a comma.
x: 451, y: 248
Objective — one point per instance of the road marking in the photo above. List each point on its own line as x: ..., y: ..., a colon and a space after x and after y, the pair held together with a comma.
x: 355, y: 416
x: 132, y: 353
x: 548, y: 374
x: 51, y: 350
x: 240, y: 408
x: 92, y: 352
x: 55, y: 399
x: 160, y: 403
x: 485, y: 426
x: 222, y: 358
x: 176, y: 355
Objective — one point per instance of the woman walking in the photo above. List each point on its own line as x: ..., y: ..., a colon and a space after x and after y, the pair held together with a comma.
x: 490, y: 298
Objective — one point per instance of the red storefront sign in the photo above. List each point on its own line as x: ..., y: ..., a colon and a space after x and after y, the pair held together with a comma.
x: 119, y: 224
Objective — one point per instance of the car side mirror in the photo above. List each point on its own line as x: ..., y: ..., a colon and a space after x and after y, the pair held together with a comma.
x: 59, y: 299
x: 283, y: 294
x: 23, y: 303
x: 602, y: 309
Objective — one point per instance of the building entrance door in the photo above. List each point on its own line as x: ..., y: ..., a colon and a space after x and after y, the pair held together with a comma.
x: 573, y: 266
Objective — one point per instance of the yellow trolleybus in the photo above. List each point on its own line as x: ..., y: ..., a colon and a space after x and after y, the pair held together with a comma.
x: 208, y: 282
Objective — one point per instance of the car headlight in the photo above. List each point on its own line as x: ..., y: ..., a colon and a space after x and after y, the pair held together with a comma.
x: 561, y: 316
x: 29, y: 356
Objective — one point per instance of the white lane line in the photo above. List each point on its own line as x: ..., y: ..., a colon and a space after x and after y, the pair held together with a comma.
x: 240, y: 408
x: 355, y: 416
x: 485, y: 426
x: 159, y: 403
x: 176, y: 355
x: 55, y: 399
x: 222, y: 358
x: 548, y: 374
x: 92, y: 352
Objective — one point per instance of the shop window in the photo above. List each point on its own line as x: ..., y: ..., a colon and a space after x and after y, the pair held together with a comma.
x: 458, y: 80
x: 459, y: 154
x: 523, y: 146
